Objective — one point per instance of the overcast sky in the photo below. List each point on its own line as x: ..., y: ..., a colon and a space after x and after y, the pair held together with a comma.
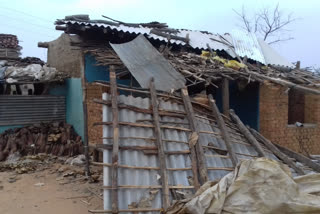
x: 32, y: 20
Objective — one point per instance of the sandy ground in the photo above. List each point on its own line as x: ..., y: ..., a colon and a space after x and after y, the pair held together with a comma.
x: 54, y: 196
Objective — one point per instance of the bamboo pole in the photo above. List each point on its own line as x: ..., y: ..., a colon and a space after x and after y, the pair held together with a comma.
x: 299, y: 157
x: 223, y: 129
x: 194, y: 127
x: 160, y: 145
x: 247, y: 134
x: 277, y: 152
x: 115, y: 150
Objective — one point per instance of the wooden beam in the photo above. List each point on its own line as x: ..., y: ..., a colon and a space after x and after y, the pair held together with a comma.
x: 299, y: 157
x: 144, y: 125
x: 169, y: 113
x: 43, y: 44
x: 225, y: 97
x: 85, y: 116
x: 194, y: 127
x: 115, y: 150
x: 223, y: 129
x: 277, y: 152
x: 194, y: 165
x: 160, y: 145
x: 243, y: 129
x: 63, y: 28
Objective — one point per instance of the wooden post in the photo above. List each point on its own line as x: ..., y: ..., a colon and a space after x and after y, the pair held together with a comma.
x: 225, y: 97
x: 158, y: 136
x: 243, y: 129
x: 277, y: 152
x: 115, y: 149
x: 223, y: 129
x: 85, y: 118
x: 301, y: 158
x: 194, y: 128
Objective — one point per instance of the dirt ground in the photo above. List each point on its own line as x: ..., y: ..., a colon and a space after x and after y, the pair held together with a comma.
x: 47, y: 192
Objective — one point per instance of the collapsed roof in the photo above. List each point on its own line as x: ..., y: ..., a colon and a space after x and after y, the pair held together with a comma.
x: 196, y: 69
x: 186, y: 126
x: 245, y: 44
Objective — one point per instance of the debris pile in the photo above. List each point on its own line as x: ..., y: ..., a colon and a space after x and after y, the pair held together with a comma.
x: 57, y: 138
x: 22, y: 71
x: 210, y: 68
x: 9, y: 46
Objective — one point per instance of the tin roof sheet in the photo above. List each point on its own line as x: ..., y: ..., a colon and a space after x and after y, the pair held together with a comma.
x: 245, y: 44
x: 145, y: 62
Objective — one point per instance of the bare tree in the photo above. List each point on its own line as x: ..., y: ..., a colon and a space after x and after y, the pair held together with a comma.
x: 268, y: 23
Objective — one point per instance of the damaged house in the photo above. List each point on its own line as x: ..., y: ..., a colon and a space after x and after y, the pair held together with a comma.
x: 152, y: 98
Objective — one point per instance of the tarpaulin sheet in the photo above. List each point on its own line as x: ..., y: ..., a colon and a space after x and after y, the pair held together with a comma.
x: 258, y: 186
x: 145, y: 62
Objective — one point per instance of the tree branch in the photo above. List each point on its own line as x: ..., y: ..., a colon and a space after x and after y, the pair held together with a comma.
x: 267, y: 23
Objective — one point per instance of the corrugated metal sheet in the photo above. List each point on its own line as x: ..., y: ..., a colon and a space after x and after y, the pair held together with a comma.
x: 137, y: 158
x: 245, y: 44
x: 19, y: 110
x: 271, y: 56
x: 145, y: 62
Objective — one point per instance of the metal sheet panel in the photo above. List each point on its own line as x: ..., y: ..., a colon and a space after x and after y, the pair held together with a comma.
x: 272, y: 57
x: 198, y: 39
x: 145, y: 62
x: 246, y: 44
x: 138, y: 158
x: 20, y: 110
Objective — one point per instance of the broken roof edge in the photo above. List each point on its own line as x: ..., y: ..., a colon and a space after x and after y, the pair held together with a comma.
x: 182, y: 37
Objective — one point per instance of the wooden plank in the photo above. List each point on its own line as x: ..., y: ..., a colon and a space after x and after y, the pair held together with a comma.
x: 115, y: 150
x: 160, y: 145
x: 277, y: 152
x: 299, y: 157
x: 223, y: 129
x: 243, y: 129
x: 194, y: 127
x: 225, y: 97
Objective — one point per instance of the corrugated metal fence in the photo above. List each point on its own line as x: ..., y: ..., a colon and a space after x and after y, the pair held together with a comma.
x: 20, y: 110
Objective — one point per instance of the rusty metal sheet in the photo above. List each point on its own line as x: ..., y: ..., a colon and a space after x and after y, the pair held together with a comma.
x: 145, y: 62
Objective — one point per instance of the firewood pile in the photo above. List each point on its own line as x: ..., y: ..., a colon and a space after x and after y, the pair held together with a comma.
x: 9, y: 46
x: 56, y: 138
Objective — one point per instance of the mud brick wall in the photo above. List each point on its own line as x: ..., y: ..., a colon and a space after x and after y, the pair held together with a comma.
x: 273, y: 104
x: 94, y: 112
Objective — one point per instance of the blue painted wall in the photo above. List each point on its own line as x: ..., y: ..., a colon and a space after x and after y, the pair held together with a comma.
x: 3, y: 128
x: 93, y: 72
x: 244, y: 102
x: 72, y: 90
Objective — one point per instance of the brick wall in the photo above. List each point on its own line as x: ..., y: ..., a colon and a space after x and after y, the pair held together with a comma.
x: 274, y: 120
x: 94, y: 112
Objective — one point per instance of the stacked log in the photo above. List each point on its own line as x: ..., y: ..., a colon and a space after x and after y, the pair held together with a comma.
x: 56, y: 138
